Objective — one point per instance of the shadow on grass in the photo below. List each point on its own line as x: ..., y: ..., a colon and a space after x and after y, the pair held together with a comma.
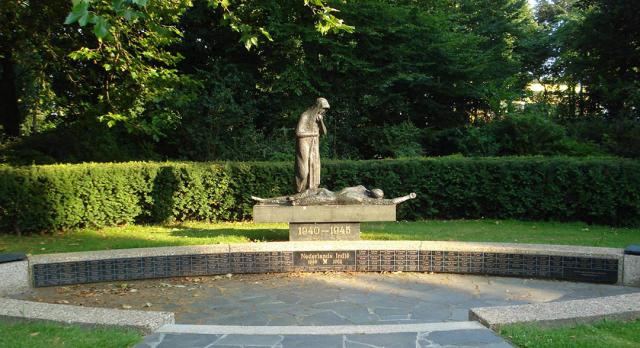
x: 266, y: 235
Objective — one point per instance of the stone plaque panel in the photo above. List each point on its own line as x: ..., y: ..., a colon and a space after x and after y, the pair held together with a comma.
x: 318, y: 261
x: 324, y: 231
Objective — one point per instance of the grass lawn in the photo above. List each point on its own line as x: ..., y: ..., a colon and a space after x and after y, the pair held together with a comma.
x: 610, y: 334
x: 195, y: 233
x: 50, y: 335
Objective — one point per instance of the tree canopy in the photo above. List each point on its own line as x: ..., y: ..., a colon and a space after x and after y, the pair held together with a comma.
x: 216, y: 79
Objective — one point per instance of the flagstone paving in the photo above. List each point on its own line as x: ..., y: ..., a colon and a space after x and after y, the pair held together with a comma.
x: 450, y: 334
x: 321, y: 299
x: 317, y: 300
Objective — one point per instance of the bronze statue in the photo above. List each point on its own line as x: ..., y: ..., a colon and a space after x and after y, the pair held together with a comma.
x: 321, y: 196
x: 307, y: 170
x: 310, y: 128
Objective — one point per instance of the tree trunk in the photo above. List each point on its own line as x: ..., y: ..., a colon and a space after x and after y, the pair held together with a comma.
x: 9, y: 112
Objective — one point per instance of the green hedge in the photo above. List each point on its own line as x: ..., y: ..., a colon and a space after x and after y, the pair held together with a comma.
x: 47, y: 198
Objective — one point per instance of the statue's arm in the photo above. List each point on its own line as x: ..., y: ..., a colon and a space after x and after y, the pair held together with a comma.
x: 323, y: 128
x: 301, y: 131
x: 397, y: 200
x: 403, y: 198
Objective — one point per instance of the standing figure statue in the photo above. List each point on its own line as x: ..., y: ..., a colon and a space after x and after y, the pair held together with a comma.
x: 310, y: 128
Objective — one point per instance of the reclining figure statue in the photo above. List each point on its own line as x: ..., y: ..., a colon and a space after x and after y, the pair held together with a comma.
x: 347, y: 196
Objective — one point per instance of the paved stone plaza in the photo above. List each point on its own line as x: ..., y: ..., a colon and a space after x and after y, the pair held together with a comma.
x: 331, y: 309
x: 321, y: 298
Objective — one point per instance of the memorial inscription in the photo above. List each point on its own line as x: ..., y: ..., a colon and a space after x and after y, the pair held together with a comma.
x: 311, y: 261
x: 324, y: 231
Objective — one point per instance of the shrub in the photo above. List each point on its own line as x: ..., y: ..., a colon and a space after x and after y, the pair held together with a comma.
x: 47, y: 198
x: 617, y: 137
x: 527, y: 135
x: 398, y: 141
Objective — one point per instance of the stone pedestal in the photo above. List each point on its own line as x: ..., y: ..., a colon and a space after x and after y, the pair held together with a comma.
x: 631, y: 276
x: 15, y: 277
x: 324, y: 222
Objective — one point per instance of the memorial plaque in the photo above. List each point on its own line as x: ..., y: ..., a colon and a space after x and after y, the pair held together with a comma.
x: 476, y: 265
x: 120, y: 269
x: 450, y: 262
x: 490, y: 263
x: 324, y: 231
x: 590, y: 270
x: 93, y: 271
x: 312, y: 261
x: 82, y: 272
x: 530, y: 265
x: 502, y: 264
x: 134, y: 268
x: 425, y: 261
x: 362, y: 261
x: 287, y: 261
x: 464, y: 262
x: 242, y: 262
x: 67, y: 274
x: 218, y: 264
x: 555, y: 266
x: 52, y: 275
x: 412, y: 263
x: 387, y: 260
x: 106, y: 270
x: 437, y: 261
x: 516, y: 265
x: 160, y: 267
x: 39, y: 275
x: 199, y: 265
x: 375, y: 261
x: 585, y: 269
x: 173, y: 266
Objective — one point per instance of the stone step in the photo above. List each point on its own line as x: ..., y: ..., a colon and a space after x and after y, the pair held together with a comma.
x: 449, y: 334
x: 620, y: 307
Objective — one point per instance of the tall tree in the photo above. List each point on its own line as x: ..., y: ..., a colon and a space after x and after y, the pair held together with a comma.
x: 599, y: 47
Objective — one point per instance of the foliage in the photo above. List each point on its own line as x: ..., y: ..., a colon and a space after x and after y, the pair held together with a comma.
x: 520, y: 135
x: 76, y: 144
x: 178, y: 76
x: 621, y: 137
x: 47, y: 198
x: 142, y: 88
x: 594, y: 43
x: 35, y: 69
x: 523, y: 133
x: 397, y: 141
x: 227, y: 80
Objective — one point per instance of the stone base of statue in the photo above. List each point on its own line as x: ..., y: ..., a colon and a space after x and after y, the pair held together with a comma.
x: 323, y: 222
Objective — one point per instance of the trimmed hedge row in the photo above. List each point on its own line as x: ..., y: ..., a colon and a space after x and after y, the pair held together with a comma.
x: 47, y: 198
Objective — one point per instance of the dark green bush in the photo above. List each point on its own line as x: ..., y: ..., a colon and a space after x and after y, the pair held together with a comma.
x: 617, y: 137
x: 47, y: 198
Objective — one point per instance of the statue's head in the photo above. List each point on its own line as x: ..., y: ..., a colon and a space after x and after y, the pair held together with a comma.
x: 377, y: 193
x: 322, y: 103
